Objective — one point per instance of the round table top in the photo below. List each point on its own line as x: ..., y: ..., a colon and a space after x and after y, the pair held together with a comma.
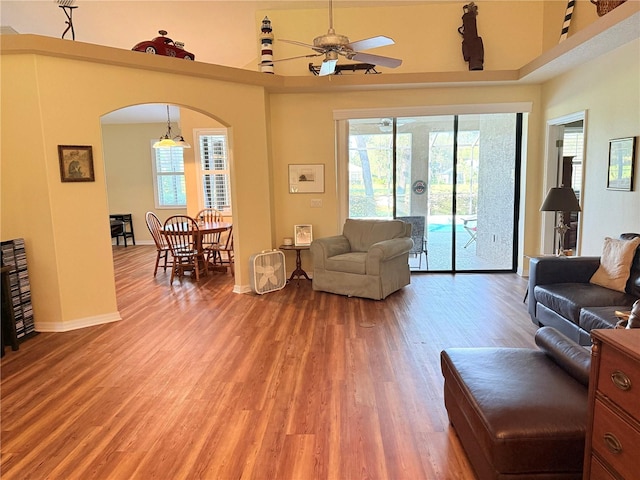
x: 211, y: 227
x: 294, y: 247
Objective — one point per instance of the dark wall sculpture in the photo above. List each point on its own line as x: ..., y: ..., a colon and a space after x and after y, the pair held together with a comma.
x: 472, y: 47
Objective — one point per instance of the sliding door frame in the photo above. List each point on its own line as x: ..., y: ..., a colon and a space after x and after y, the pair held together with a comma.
x: 341, y: 118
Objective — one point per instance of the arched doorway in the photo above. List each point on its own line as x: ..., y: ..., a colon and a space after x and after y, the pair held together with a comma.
x: 128, y: 134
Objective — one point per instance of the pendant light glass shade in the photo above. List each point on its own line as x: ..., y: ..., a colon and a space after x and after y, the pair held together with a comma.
x: 168, y: 140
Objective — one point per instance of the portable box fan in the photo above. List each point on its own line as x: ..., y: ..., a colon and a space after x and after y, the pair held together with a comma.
x: 267, y: 271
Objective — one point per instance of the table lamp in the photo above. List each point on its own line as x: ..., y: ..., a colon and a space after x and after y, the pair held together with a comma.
x: 561, y: 199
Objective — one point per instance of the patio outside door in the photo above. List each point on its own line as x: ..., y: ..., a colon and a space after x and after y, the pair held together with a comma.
x: 456, y: 173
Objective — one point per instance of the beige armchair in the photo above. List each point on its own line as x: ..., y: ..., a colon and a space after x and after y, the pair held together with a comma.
x: 370, y: 259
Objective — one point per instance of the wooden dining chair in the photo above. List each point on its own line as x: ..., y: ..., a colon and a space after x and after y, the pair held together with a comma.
x: 182, y: 234
x: 209, y: 215
x: 222, y: 254
x: 163, y: 250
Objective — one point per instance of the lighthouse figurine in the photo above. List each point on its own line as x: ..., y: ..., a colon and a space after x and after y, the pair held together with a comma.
x: 266, y: 46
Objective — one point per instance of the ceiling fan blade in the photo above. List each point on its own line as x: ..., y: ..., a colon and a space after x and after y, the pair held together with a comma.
x: 373, y: 42
x: 328, y: 67
x: 377, y: 60
x: 301, y: 44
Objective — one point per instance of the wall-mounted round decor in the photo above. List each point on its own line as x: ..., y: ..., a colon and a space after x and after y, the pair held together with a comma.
x: 419, y: 187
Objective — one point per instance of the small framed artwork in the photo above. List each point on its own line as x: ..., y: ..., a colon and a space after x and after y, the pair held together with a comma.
x: 306, y: 178
x: 303, y: 235
x: 622, y: 154
x: 76, y: 163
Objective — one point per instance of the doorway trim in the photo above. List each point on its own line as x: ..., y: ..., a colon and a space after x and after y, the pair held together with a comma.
x: 555, y: 132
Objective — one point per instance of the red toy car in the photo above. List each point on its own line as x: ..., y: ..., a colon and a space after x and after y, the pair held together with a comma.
x: 164, y: 46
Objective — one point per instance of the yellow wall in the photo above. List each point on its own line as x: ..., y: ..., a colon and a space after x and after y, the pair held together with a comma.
x: 129, y: 175
x: 584, y: 13
x: 303, y: 131
x: 608, y: 89
x: 426, y: 33
x: 58, y: 101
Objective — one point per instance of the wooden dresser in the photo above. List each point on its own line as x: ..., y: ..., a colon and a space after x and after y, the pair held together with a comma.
x: 613, y: 428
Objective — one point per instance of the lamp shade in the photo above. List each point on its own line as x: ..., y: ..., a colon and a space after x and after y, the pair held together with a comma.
x: 560, y: 199
x: 165, y: 142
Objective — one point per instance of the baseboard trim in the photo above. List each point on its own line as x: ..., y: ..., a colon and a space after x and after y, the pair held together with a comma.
x: 78, y: 323
x: 241, y: 289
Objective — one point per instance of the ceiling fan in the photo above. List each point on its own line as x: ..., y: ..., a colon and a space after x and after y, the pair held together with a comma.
x: 332, y: 44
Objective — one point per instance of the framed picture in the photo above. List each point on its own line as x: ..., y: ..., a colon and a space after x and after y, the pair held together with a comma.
x: 76, y: 163
x: 622, y: 154
x: 303, y: 235
x: 306, y: 178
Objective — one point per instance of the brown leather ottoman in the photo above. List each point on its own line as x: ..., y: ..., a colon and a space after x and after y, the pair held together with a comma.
x: 518, y: 413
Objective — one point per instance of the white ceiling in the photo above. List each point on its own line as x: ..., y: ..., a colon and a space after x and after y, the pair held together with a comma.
x: 148, y: 113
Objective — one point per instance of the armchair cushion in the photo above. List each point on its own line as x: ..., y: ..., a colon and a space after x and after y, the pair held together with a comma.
x: 370, y: 259
x: 352, y: 262
x: 361, y: 234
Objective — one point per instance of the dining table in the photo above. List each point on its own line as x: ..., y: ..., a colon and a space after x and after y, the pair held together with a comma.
x: 206, y: 228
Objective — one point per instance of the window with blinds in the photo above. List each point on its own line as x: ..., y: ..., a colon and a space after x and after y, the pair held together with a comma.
x: 168, y: 170
x: 572, y: 146
x: 214, y: 170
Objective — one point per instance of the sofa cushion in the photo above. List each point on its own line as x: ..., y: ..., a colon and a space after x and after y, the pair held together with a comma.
x: 615, y: 263
x: 364, y: 233
x: 600, y: 317
x: 633, y: 284
x: 352, y: 262
x: 567, y: 299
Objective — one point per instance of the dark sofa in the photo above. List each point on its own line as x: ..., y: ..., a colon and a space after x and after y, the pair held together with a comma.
x: 561, y: 296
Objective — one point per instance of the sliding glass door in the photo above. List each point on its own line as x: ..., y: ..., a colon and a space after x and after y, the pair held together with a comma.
x: 453, y: 177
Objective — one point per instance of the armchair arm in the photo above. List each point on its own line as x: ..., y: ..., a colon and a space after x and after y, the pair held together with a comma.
x: 386, y: 250
x: 327, y: 247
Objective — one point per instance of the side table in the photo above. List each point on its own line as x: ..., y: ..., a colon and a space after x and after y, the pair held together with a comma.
x: 298, y: 272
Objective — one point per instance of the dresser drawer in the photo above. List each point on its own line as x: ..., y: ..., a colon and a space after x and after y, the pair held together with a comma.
x: 619, y: 379
x: 598, y: 472
x: 615, y: 441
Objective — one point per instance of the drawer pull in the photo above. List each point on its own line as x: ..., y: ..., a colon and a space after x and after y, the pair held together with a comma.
x: 621, y: 381
x: 612, y: 443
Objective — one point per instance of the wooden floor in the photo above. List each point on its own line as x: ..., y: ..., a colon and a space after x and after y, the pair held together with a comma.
x: 199, y: 382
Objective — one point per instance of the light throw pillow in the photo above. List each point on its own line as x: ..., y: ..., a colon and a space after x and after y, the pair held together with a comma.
x: 615, y: 263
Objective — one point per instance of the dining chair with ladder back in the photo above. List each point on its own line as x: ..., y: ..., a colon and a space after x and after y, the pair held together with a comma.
x: 222, y: 253
x: 182, y: 234
x: 155, y: 228
x: 209, y: 215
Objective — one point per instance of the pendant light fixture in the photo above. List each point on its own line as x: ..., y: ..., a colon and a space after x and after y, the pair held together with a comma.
x: 168, y: 140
